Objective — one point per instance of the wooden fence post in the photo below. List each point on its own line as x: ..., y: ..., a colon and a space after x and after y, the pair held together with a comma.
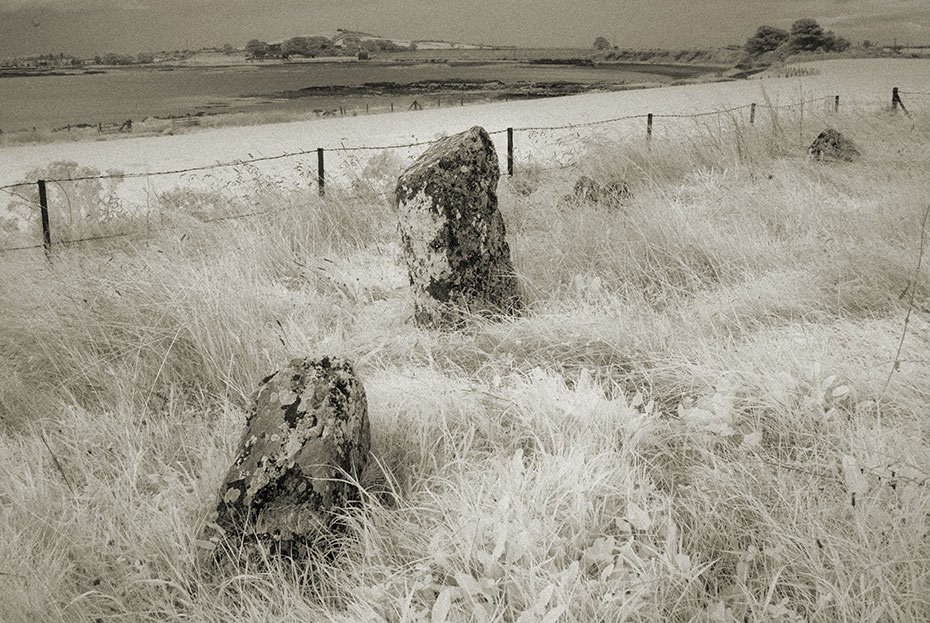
x: 320, y: 180
x: 649, y: 127
x: 46, y: 232
x: 510, y: 152
x: 836, y: 104
x: 752, y: 113
x: 896, y: 102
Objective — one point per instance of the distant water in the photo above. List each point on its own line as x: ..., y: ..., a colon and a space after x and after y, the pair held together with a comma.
x: 49, y: 102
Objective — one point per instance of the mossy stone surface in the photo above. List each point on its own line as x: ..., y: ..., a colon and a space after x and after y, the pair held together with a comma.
x: 308, y: 427
x: 452, y: 232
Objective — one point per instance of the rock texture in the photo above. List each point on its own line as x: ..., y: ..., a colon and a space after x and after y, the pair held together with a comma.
x: 307, y: 426
x: 831, y: 145
x: 452, y: 232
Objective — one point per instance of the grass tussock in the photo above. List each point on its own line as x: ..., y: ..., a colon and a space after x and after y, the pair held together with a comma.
x: 704, y: 415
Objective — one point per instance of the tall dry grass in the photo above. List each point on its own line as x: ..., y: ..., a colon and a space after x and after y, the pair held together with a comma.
x: 693, y: 420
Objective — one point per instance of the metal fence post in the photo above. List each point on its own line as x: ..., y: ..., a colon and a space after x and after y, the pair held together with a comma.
x: 752, y: 113
x: 649, y: 127
x: 510, y: 152
x: 46, y: 232
x: 320, y: 179
x: 836, y: 104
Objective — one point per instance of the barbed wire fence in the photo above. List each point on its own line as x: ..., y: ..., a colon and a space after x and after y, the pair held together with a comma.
x: 41, y: 202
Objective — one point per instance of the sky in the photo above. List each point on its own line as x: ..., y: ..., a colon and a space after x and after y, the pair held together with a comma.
x: 89, y: 27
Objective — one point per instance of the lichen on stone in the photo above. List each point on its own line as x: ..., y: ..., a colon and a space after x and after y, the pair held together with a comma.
x: 307, y: 427
x: 452, y: 233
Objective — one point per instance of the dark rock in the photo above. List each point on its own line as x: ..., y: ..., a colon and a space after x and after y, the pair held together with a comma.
x: 831, y: 145
x: 612, y: 194
x: 586, y: 189
x: 308, y: 427
x: 452, y: 232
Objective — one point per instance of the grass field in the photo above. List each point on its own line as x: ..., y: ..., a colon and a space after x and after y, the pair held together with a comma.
x: 714, y: 409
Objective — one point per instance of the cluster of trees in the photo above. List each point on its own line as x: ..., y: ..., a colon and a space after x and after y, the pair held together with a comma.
x: 317, y: 46
x: 806, y: 35
x: 308, y: 47
x: 379, y: 45
x: 113, y: 58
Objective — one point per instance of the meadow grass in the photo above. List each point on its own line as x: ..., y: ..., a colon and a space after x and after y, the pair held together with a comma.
x: 702, y: 416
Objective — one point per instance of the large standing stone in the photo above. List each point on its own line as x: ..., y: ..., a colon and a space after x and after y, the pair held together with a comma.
x: 452, y: 232
x: 832, y: 145
x: 308, y: 427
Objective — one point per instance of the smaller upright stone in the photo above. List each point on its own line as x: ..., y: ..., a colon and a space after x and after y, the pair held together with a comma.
x: 586, y: 190
x: 832, y: 145
x: 612, y: 194
x: 307, y: 427
x: 452, y: 233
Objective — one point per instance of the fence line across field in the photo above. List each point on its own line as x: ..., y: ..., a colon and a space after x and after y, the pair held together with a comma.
x: 306, y: 152
x: 150, y: 231
x: 320, y: 151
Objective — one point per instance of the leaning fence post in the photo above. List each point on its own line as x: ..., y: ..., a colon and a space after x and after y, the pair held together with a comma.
x: 836, y: 104
x: 510, y: 152
x: 46, y: 232
x: 752, y: 113
x: 649, y: 127
x: 896, y: 101
x: 321, y: 184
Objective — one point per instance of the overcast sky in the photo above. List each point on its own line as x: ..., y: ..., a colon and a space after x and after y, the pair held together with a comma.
x: 87, y: 27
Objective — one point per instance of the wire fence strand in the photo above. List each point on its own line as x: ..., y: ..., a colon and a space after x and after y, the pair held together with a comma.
x: 11, y: 249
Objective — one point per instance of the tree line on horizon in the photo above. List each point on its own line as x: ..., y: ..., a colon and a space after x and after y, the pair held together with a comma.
x: 806, y: 35
x: 311, y: 47
x: 770, y: 44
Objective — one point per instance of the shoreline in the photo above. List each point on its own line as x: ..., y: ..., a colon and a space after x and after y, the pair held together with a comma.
x: 858, y: 82
x: 355, y: 98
